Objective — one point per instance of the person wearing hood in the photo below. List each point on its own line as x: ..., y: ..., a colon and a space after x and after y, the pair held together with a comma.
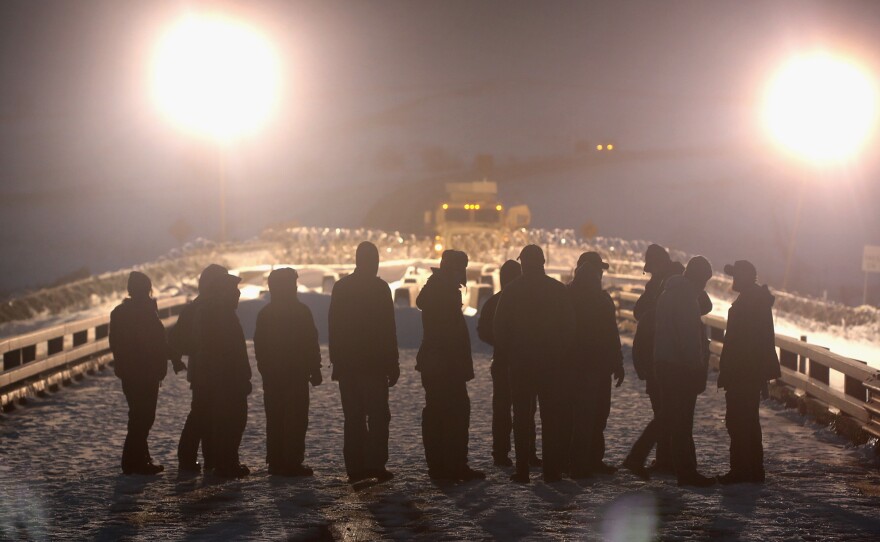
x: 502, y: 420
x: 534, y: 327
x: 445, y: 363
x: 363, y: 351
x: 660, y: 266
x: 225, y: 372
x: 183, y: 338
x: 748, y: 362
x: 681, y: 361
x: 288, y: 358
x: 140, y: 359
x: 595, y: 359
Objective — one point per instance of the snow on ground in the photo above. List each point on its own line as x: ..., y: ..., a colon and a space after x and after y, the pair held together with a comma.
x: 59, y: 479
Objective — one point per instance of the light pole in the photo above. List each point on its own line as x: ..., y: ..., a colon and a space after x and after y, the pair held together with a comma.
x: 217, y: 77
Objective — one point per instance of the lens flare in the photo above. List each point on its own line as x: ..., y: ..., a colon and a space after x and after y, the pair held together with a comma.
x: 216, y: 76
x: 821, y: 108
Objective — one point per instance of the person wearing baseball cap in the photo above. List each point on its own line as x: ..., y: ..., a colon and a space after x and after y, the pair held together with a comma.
x: 445, y: 363
x: 748, y: 362
x: 288, y: 358
x: 534, y: 326
x: 596, y: 356
x: 681, y: 359
x: 660, y: 267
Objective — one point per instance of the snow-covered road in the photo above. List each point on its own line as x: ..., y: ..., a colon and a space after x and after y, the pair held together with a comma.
x: 59, y: 479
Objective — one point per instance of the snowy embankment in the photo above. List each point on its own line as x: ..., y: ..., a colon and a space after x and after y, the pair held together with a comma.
x: 59, y: 479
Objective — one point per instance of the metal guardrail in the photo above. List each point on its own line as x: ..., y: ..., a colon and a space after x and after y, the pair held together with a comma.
x: 34, y: 355
x: 806, y: 367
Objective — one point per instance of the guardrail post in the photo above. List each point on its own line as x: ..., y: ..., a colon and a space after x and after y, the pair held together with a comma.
x: 819, y: 372
x: 854, y: 388
x: 802, y: 360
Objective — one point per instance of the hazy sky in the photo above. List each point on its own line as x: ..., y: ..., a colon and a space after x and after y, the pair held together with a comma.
x: 377, y: 93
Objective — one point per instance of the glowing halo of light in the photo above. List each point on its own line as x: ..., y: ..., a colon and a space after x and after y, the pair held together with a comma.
x: 821, y: 108
x: 216, y: 76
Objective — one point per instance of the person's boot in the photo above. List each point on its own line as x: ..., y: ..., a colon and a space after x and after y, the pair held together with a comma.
x: 189, y: 467
x: 636, y: 468
x: 466, y: 474
x: 356, y: 477
x: 603, y: 468
x: 520, y: 476
x: 734, y: 477
x: 502, y: 461
x: 147, y: 469
x: 552, y: 477
x: 300, y: 470
x: 382, y: 475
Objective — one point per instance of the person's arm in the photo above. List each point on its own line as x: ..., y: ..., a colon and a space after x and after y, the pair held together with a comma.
x: 485, y: 323
x: 334, y: 324
x: 502, y: 321
x: 615, y: 351
x: 389, y: 333
x: 313, y: 347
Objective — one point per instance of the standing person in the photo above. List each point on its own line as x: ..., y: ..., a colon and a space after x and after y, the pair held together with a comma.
x: 660, y: 266
x: 363, y: 351
x: 226, y: 373
x: 748, y: 361
x: 596, y: 358
x: 681, y: 357
x: 140, y: 360
x: 502, y: 420
x: 183, y: 338
x: 288, y: 358
x: 445, y: 363
x: 534, y: 325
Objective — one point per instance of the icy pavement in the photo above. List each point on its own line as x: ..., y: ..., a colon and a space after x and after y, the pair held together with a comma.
x: 59, y: 479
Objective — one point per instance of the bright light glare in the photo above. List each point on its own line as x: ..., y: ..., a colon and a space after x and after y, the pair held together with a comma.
x: 215, y: 76
x: 821, y: 108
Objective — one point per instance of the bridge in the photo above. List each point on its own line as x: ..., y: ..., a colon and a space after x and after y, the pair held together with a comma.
x: 64, y: 422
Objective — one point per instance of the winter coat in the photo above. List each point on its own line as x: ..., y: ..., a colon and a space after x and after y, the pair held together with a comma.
x: 445, y: 351
x: 596, y: 348
x: 183, y: 338
x: 644, y: 312
x: 534, y: 324
x: 681, y: 346
x: 286, y: 343
x: 363, y: 335
x: 224, y: 365
x: 138, y: 341
x: 749, y: 358
x: 486, y: 331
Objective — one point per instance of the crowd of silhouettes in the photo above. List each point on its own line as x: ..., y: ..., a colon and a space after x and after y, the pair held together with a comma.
x: 556, y: 351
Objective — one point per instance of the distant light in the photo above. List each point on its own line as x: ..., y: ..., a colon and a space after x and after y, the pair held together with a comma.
x: 610, y: 147
x: 498, y: 207
x: 216, y: 76
x: 599, y: 147
x: 438, y: 247
x: 821, y: 108
x: 477, y: 207
x: 445, y: 206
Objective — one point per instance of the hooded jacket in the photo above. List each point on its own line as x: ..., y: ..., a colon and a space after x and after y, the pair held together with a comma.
x: 680, y: 344
x: 486, y: 323
x: 445, y: 351
x: 138, y: 341
x: 184, y: 340
x: 534, y: 323
x: 363, y: 335
x: 596, y: 346
x: 749, y: 358
x: 286, y: 342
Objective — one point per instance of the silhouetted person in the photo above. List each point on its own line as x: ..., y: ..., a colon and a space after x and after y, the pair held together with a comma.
x: 183, y: 338
x: 681, y: 357
x: 363, y: 351
x: 225, y: 369
x: 596, y: 355
x: 445, y: 363
x: 534, y: 326
x: 288, y: 358
x: 748, y: 361
x: 502, y: 404
x: 140, y: 356
x: 660, y: 267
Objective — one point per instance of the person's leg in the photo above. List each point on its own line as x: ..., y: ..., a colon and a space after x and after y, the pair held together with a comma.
x: 134, y: 450
x: 522, y: 397
x: 756, y: 445
x: 502, y: 422
x: 237, y: 427
x: 432, y: 426
x: 570, y: 417
x: 188, y: 446
x: 599, y: 412
x: 151, y: 398
x: 457, y: 426
x: 641, y: 448
x: 551, y: 404
x: 274, y: 407
x: 298, y: 416
x: 737, y: 429
x: 579, y: 448
x: 378, y: 416
x: 354, y: 426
